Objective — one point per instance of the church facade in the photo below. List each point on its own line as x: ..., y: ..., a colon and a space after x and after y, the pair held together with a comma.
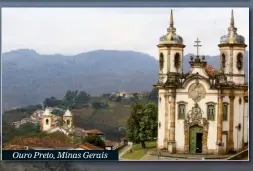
x: 204, y: 110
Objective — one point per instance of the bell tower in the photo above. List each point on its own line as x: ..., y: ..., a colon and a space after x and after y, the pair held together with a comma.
x: 68, y: 119
x: 232, y: 54
x: 171, y: 51
x: 46, y: 122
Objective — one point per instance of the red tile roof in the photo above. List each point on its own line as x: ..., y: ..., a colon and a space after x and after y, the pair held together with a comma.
x: 16, y: 147
x: 94, y: 131
x: 210, y: 70
x: 41, y: 142
x: 109, y: 143
x: 88, y: 146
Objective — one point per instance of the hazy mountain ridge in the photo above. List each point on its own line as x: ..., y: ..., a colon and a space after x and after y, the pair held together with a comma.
x: 29, y: 77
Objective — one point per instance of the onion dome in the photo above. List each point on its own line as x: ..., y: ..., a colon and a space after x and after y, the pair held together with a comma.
x: 171, y: 37
x: 68, y: 113
x: 232, y: 37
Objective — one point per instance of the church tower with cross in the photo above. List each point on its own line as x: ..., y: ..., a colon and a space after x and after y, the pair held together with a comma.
x: 232, y: 54
x: 171, y: 51
x: 204, y: 110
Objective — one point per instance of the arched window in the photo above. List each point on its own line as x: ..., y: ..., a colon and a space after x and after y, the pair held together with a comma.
x: 177, y: 61
x: 239, y: 63
x: 68, y: 122
x: 211, y: 111
x: 223, y: 61
x: 47, y: 122
x: 161, y: 61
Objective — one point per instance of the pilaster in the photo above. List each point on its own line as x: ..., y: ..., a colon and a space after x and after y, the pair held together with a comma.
x: 220, y: 125
x: 172, y: 142
x: 166, y: 134
x: 231, y: 124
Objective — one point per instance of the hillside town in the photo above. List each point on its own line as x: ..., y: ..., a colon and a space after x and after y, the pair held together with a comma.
x: 50, y: 123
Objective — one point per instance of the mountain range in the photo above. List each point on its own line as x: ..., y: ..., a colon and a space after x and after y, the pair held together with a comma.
x: 28, y: 77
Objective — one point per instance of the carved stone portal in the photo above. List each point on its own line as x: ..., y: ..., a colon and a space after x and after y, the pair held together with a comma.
x: 195, y: 117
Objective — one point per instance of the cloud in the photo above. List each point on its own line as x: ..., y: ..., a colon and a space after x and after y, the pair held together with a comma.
x: 76, y: 30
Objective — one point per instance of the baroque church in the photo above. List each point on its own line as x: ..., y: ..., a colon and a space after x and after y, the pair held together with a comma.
x: 66, y: 126
x: 204, y: 110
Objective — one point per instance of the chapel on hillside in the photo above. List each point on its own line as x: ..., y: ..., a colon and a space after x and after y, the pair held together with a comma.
x: 204, y: 110
x: 51, y: 123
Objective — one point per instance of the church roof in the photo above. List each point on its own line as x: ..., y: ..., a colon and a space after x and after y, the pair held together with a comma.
x: 232, y: 37
x: 171, y: 37
x: 211, y: 71
x: 68, y: 113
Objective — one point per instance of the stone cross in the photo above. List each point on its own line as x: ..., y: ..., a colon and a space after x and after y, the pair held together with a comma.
x: 197, y: 45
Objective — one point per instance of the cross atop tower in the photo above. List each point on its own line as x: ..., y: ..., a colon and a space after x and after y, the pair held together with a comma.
x: 197, y: 45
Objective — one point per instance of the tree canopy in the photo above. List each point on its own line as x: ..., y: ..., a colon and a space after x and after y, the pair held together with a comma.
x: 71, y: 99
x: 142, y: 123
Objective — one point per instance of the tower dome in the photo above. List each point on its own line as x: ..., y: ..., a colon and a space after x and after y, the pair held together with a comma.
x: 47, y: 112
x: 232, y: 37
x: 171, y: 37
x: 68, y: 113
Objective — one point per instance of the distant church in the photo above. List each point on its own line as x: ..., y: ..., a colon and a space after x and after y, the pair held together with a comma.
x: 66, y: 126
x: 204, y: 110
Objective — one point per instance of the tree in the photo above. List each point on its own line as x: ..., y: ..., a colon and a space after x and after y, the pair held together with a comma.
x: 9, y: 132
x: 52, y: 102
x: 153, y: 96
x: 70, y: 98
x: 118, y: 99
x: 94, y: 140
x: 76, y: 99
x: 58, y: 112
x: 28, y: 128
x: 82, y: 97
x: 142, y: 124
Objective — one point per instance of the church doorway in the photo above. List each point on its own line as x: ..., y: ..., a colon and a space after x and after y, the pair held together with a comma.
x: 196, y: 139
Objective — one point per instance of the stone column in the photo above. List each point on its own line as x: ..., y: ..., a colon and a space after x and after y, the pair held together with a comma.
x: 231, y: 124
x: 219, y: 125
x: 172, y: 144
x: 205, y: 134
x: 166, y: 126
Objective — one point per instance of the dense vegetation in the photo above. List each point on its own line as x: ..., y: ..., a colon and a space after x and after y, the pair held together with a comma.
x: 10, y: 132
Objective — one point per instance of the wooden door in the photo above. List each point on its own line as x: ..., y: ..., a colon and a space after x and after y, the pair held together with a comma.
x: 193, y: 138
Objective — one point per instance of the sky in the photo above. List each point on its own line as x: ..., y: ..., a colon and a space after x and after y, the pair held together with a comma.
x: 70, y: 31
